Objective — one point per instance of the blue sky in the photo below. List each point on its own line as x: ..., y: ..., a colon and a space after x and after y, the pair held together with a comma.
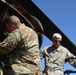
x: 63, y: 14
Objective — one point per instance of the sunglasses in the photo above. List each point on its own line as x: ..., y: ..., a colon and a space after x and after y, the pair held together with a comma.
x: 58, y: 41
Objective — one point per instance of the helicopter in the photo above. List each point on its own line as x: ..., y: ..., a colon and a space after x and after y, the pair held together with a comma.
x: 34, y: 20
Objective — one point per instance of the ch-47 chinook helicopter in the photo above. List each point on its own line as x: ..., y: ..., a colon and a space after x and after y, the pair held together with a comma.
x: 33, y: 17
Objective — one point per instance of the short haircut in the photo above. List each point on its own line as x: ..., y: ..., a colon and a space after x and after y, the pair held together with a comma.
x: 57, y: 35
x: 12, y: 20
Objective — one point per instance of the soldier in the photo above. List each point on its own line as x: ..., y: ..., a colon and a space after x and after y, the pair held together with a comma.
x: 22, y: 49
x: 56, y: 56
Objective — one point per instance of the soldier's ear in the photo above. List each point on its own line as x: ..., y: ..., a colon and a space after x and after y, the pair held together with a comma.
x: 14, y: 26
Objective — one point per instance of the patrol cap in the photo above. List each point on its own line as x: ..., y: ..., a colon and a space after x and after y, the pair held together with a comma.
x: 57, y: 35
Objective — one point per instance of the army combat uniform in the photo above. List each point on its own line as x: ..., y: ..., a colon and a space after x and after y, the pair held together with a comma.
x: 22, y: 49
x: 55, y: 60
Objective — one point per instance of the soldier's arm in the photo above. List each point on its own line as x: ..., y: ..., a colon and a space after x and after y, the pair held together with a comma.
x: 43, y: 52
x: 71, y: 59
x: 9, y: 44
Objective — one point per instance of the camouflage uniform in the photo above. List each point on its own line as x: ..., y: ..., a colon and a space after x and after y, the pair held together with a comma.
x: 55, y: 60
x: 22, y: 48
x: 2, y: 57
